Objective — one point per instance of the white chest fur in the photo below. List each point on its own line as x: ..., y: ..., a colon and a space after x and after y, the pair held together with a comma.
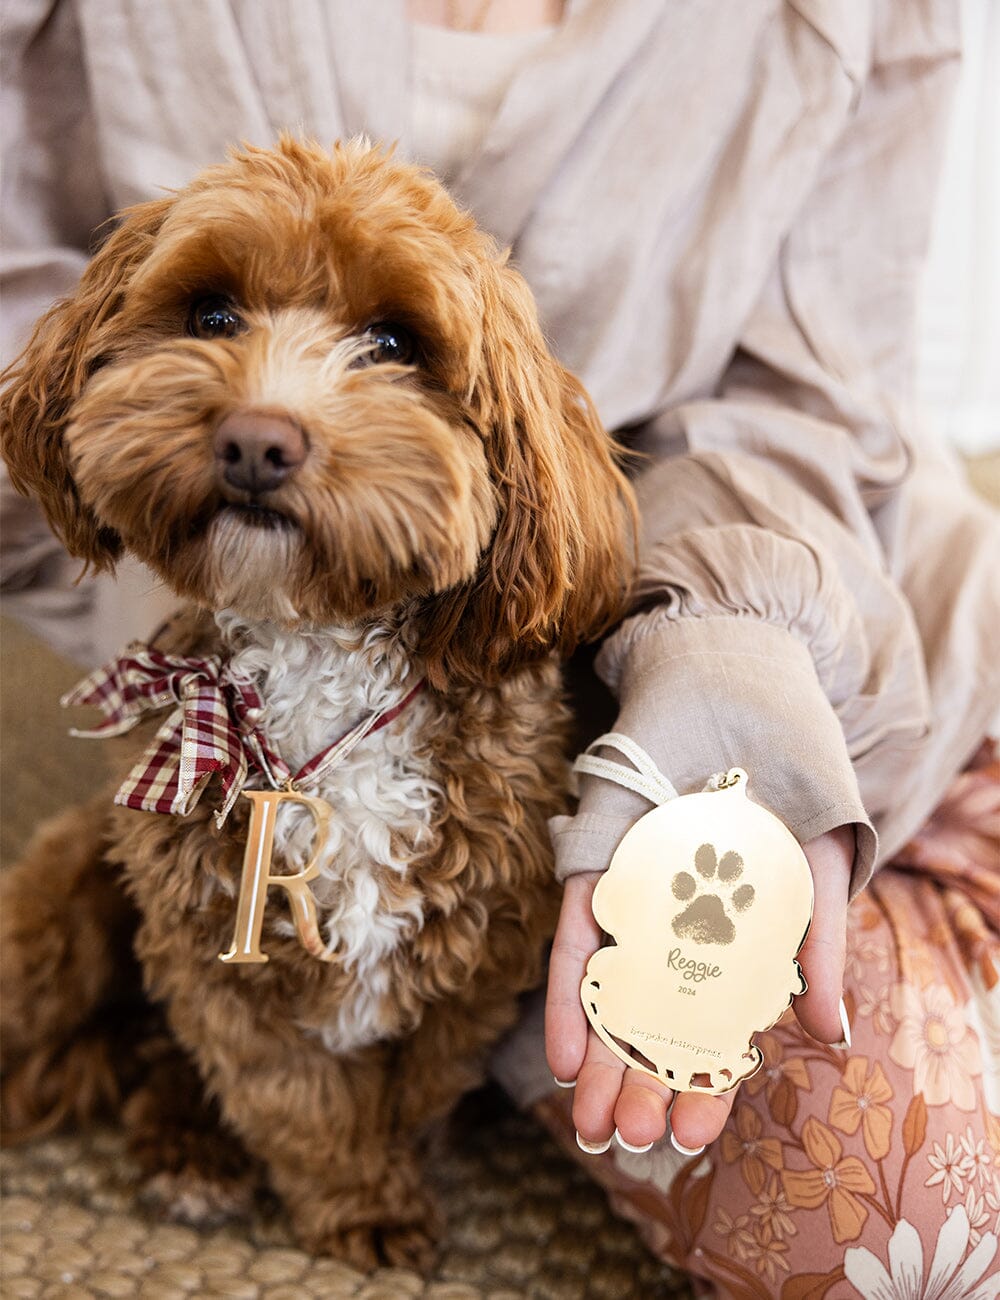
x: 315, y: 685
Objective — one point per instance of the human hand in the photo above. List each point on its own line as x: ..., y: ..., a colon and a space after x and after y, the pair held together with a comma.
x: 612, y: 1099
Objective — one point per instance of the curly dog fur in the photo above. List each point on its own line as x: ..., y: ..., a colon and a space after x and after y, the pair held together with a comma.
x: 312, y: 396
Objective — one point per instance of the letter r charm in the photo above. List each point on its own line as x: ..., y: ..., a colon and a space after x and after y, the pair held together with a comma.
x: 257, y: 877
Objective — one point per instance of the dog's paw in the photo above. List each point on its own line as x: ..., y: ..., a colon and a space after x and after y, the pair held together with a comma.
x: 367, y: 1248
x: 191, y: 1168
x: 404, y: 1236
x: 357, y: 1247
x: 191, y: 1197
x: 409, y: 1246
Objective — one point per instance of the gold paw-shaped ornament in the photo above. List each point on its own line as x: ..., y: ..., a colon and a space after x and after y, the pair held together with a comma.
x: 708, y: 899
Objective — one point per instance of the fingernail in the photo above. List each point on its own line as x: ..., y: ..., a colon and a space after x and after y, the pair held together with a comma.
x: 627, y: 1146
x: 592, y: 1148
x: 685, y: 1151
x: 845, y: 1042
x: 564, y: 1083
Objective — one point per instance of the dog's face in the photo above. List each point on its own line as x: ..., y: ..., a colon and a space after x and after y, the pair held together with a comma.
x: 307, y: 387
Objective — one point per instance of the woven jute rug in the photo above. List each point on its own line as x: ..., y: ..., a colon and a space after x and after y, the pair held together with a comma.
x: 522, y: 1221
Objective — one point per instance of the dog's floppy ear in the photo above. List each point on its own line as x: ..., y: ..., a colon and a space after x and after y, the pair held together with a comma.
x: 41, y: 386
x: 563, y: 552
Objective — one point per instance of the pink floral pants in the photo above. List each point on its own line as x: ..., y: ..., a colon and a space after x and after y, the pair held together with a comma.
x: 873, y: 1171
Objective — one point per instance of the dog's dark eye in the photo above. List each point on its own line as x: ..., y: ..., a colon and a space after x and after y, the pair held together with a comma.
x: 214, y: 318
x: 388, y: 342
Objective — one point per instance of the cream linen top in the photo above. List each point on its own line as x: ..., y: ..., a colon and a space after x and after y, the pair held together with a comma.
x: 458, y: 80
x: 722, y: 207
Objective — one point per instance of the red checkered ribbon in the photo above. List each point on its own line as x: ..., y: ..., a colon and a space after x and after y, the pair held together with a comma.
x: 211, y: 729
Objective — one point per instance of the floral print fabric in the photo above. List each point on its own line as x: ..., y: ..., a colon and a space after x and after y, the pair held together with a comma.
x: 873, y: 1171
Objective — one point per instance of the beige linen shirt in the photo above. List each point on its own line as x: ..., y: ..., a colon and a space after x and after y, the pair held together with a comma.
x: 722, y: 207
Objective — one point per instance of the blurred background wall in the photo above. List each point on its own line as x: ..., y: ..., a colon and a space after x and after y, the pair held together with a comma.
x: 959, y: 348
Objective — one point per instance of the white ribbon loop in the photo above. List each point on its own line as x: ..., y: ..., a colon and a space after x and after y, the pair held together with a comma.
x: 646, y: 780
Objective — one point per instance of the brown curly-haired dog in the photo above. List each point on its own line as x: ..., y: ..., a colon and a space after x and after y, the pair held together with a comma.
x: 311, y: 395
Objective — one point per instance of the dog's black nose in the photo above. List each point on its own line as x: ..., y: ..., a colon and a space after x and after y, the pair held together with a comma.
x: 256, y: 452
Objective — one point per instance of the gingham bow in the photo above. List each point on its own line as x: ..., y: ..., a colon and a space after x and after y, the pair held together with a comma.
x: 212, y: 728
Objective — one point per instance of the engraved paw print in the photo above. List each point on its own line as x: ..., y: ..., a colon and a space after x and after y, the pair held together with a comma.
x: 705, y: 919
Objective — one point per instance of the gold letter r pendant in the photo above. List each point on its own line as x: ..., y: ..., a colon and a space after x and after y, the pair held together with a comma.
x: 257, y: 877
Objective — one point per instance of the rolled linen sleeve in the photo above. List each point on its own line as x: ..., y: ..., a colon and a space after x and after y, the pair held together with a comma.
x: 746, y: 643
x: 771, y: 625
x: 794, y: 752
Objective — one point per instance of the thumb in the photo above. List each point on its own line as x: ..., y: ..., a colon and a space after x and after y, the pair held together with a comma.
x: 577, y: 937
x: 819, y: 1009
